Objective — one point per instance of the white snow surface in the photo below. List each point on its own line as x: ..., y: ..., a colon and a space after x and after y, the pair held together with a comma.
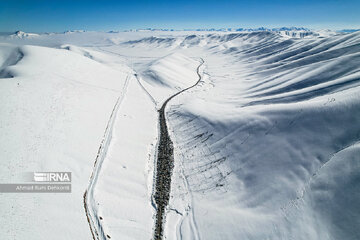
x: 266, y: 145
x: 53, y: 113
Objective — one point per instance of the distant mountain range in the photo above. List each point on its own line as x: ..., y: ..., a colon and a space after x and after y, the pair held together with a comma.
x: 286, y: 31
x: 280, y: 29
x: 224, y: 29
x: 349, y: 30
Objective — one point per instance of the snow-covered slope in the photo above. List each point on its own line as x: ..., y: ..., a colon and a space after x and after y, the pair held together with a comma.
x: 168, y: 75
x: 55, y: 105
x: 266, y: 145
x: 255, y: 144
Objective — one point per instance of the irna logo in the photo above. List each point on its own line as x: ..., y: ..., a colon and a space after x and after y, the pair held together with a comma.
x: 52, y: 176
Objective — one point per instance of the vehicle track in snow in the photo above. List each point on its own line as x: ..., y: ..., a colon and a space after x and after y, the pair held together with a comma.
x: 96, y: 227
x: 165, y: 164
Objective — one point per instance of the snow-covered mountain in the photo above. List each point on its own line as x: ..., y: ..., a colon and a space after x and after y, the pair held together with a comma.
x: 294, y: 32
x: 20, y: 34
x: 266, y: 145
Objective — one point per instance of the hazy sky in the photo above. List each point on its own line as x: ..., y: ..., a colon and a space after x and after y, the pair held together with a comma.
x: 56, y: 16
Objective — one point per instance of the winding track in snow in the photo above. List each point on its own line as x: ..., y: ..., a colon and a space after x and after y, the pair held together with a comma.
x: 165, y: 164
x: 96, y: 227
